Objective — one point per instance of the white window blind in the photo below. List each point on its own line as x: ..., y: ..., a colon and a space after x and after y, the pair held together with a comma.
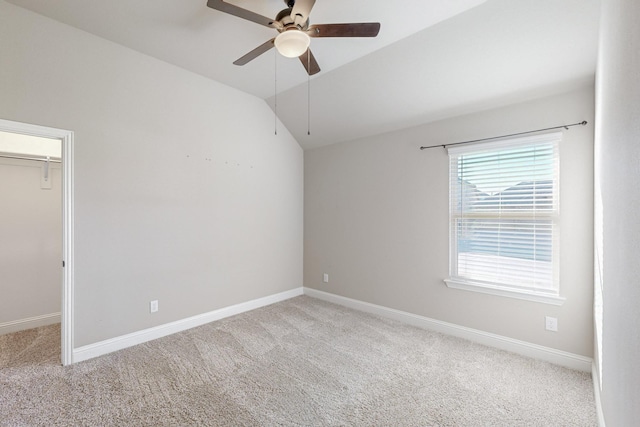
x: 504, y: 214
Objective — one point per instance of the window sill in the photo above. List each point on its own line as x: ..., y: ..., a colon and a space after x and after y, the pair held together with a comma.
x: 505, y: 292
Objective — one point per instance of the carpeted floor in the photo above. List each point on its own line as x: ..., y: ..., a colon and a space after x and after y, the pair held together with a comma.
x: 301, y: 362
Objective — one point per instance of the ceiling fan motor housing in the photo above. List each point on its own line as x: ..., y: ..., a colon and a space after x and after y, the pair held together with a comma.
x: 286, y: 22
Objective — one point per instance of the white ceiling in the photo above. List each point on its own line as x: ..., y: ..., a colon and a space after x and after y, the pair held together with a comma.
x: 432, y: 58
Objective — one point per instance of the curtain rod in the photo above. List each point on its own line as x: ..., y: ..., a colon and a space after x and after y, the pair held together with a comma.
x: 39, y: 159
x: 582, y: 123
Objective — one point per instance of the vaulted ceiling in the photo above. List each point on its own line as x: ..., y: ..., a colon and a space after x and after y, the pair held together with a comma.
x: 432, y: 59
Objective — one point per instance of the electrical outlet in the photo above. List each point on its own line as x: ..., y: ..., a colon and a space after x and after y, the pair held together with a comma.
x: 551, y: 323
x: 153, y: 306
x: 325, y: 278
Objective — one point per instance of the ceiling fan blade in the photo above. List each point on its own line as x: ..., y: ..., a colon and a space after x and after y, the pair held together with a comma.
x: 255, y: 52
x: 309, y: 62
x: 301, y: 10
x: 365, y: 29
x: 231, y: 9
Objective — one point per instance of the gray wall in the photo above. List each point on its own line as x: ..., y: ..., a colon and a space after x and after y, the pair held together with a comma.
x: 182, y: 191
x: 376, y: 220
x: 618, y: 205
x: 30, y: 242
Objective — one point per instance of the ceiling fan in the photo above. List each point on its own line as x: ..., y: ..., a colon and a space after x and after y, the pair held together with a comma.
x: 294, y: 31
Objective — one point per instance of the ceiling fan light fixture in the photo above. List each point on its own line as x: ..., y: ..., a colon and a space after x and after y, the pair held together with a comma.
x: 292, y: 43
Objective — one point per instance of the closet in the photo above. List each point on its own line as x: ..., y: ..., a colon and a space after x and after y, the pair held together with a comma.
x: 30, y: 232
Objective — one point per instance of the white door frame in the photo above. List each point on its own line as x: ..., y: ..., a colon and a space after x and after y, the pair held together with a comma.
x: 67, y: 224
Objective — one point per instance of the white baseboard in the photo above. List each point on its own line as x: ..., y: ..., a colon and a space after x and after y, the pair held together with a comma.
x: 596, y: 393
x: 558, y: 357
x: 29, y: 323
x: 118, y: 343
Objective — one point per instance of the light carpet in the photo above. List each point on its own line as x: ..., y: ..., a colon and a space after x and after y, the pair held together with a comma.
x: 301, y: 362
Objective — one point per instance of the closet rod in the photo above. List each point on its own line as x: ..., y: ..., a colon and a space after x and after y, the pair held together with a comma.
x: 39, y: 159
x: 582, y: 123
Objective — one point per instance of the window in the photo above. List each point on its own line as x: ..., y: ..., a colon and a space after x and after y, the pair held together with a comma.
x: 504, y: 218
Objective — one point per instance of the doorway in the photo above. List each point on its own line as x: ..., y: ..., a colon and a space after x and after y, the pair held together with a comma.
x: 66, y: 162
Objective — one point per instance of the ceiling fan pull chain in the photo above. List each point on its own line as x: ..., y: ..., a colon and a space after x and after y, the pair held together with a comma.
x: 308, y: 93
x: 275, y: 93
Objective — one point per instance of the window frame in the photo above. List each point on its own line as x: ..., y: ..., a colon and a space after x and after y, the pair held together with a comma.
x: 527, y: 293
